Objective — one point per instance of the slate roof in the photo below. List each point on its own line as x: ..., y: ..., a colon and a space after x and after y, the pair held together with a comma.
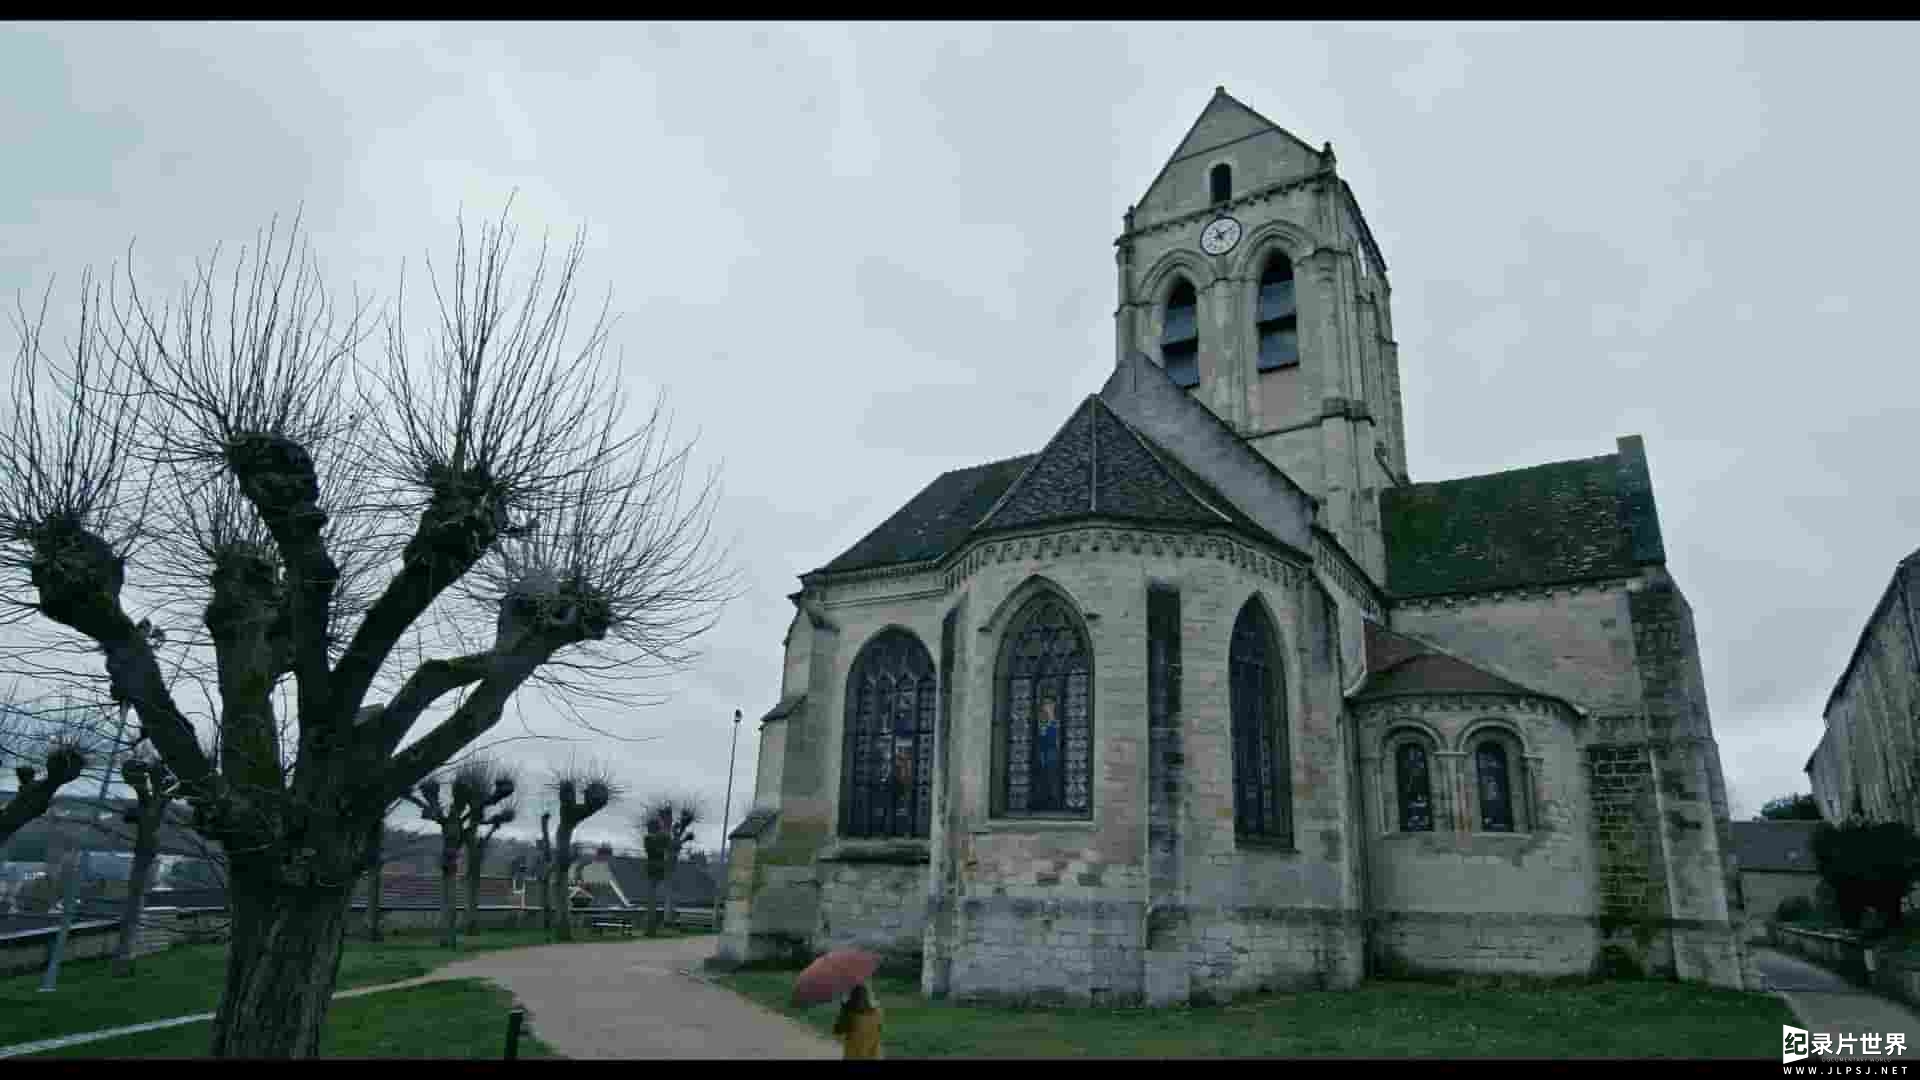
x: 693, y: 885
x: 1398, y: 666
x: 1775, y: 845
x: 756, y: 822
x: 413, y: 892
x: 1563, y: 522
x: 1096, y: 464
x: 934, y: 521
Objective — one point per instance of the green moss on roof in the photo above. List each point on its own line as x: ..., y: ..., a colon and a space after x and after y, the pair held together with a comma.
x: 1563, y: 522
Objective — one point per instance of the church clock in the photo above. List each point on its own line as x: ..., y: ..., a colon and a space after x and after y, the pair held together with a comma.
x: 1220, y: 236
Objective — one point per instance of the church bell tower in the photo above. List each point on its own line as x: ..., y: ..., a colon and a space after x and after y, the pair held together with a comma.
x: 1248, y: 274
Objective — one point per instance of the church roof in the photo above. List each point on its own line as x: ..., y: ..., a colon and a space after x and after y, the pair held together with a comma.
x: 1096, y: 465
x: 1399, y: 665
x: 935, y: 521
x: 1548, y: 524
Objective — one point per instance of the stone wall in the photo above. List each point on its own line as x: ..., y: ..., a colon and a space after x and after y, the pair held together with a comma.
x: 1869, y: 752
x: 877, y: 905
x: 1433, y: 943
x: 1764, y: 890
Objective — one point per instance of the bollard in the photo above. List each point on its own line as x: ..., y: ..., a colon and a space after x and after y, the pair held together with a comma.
x: 514, y: 1019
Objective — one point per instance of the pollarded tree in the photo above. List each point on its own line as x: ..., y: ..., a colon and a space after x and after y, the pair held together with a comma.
x: 666, y: 827
x: 485, y: 816
x: 475, y: 794
x: 582, y: 790
x: 49, y: 746
x: 154, y: 788
x: 236, y: 462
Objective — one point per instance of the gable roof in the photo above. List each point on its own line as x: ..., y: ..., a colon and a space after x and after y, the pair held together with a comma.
x: 935, y: 521
x: 1097, y: 464
x: 1221, y: 108
x: 1775, y: 845
x: 1400, y: 665
x: 1567, y: 521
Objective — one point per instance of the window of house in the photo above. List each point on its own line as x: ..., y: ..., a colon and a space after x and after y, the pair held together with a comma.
x: 1180, y: 339
x: 1277, y: 317
x: 1044, y: 713
x: 1220, y: 181
x: 1261, y: 795
x: 887, y: 760
x: 1413, y: 782
x: 1493, y: 784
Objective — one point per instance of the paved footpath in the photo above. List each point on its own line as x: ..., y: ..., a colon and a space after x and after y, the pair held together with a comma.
x: 623, y: 999
x: 1827, y: 1003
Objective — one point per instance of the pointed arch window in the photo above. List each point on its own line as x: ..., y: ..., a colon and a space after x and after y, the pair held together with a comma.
x: 1220, y: 182
x: 887, y: 761
x: 1413, y: 778
x: 1492, y: 781
x: 1044, y: 714
x: 1262, y: 795
x: 1277, y: 316
x: 1180, y: 339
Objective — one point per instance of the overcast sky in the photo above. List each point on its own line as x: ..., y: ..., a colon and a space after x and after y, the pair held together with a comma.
x: 857, y: 256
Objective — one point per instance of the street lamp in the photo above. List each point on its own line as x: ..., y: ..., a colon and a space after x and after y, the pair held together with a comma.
x: 720, y: 894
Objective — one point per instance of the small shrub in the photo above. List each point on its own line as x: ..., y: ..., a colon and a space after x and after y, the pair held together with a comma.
x: 1618, y: 962
x: 1794, y: 909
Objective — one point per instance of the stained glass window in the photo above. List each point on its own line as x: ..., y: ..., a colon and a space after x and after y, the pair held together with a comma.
x: 887, y: 775
x: 1262, y: 795
x: 1276, y: 316
x: 1496, y: 794
x: 1046, y: 713
x: 1416, y: 787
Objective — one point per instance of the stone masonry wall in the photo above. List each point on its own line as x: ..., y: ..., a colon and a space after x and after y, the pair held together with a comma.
x: 879, y: 907
x: 1631, y: 881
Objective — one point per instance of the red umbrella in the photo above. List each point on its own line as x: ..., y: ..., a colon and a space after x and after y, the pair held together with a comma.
x: 834, y: 974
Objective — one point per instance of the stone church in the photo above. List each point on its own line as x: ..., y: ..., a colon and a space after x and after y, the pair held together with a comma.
x: 1208, y: 696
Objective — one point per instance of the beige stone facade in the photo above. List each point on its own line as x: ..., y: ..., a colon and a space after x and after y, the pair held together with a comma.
x: 1254, y: 614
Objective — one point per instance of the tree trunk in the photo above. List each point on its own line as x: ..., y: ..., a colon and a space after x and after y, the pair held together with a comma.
x: 374, y: 932
x: 669, y: 891
x: 562, y: 866
x: 281, y: 968
x: 145, y: 845
x: 449, y: 902
x: 654, y: 909
x: 473, y: 888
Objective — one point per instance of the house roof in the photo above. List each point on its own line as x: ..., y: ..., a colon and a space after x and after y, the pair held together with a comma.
x: 1563, y: 522
x: 409, y: 892
x: 1399, y: 665
x: 1775, y: 845
x: 693, y: 884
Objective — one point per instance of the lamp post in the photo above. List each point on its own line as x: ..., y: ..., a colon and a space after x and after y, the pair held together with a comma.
x: 720, y: 894
x: 51, y: 980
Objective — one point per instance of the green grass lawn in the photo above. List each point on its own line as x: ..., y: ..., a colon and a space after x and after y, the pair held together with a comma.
x: 1381, y: 1019
x: 186, y: 979
x: 460, y: 1018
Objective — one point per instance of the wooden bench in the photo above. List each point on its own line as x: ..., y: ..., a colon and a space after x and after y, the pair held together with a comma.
x: 601, y: 926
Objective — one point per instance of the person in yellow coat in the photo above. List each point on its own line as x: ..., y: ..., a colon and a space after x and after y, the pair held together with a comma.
x: 859, y: 1024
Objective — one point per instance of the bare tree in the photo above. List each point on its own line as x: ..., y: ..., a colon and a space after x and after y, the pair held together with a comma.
x: 583, y: 790
x: 227, y: 453
x: 154, y: 788
x: 486, y: 813
x: 51, y: 746
x: 474, y: 790
x: 666, y: 827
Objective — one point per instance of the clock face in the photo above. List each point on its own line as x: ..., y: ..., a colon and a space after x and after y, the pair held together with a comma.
x: 1220, y: 236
